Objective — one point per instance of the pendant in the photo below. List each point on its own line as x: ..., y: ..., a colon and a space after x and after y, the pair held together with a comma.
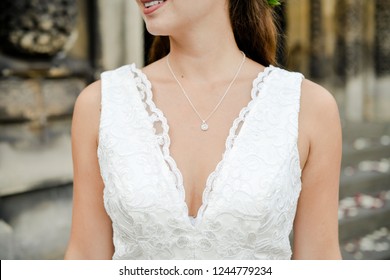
x: 204, y: 126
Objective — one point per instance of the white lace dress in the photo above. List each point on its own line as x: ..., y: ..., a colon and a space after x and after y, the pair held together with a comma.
x: 250, y: 200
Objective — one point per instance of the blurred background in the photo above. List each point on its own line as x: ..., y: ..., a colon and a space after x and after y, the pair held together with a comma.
x: 50, y: 50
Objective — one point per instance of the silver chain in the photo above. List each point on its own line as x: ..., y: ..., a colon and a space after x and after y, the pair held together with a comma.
x: 204, y: 126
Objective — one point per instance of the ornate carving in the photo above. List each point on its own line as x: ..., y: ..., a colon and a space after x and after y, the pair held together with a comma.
x: 36, y: 100
x: 36, y: 27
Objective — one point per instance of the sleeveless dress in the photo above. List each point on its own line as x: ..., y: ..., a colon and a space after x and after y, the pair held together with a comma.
x: 249, y: 201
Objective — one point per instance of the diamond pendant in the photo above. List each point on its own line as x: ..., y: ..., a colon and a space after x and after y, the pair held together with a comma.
x: 204, y: 126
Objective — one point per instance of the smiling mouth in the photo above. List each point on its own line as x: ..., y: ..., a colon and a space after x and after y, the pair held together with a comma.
x: 153, y: 3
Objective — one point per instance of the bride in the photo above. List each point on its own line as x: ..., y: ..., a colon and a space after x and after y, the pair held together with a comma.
x: 210, y: 151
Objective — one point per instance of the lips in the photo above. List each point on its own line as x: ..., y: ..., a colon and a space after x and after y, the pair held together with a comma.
x: 152, y: 3
x: 151, y: 6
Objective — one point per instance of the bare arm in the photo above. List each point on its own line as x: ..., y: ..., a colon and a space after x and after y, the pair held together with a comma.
x: 316, y: 221
x: 91, y: 234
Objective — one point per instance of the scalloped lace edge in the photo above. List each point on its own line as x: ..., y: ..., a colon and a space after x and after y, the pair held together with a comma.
x: 257, y: 86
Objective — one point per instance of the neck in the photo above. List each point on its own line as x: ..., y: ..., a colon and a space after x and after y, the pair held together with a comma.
x: 205, y: 52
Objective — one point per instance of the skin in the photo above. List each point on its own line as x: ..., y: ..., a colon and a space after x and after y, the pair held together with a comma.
x: 205, y: 57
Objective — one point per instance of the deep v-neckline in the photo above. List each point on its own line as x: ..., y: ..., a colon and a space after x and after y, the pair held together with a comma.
x: 163, y: 140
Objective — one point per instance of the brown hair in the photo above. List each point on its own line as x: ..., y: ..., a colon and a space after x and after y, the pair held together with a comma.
x: 254, y: 28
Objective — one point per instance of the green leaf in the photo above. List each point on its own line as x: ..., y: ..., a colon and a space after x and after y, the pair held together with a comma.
x: 273, y: 3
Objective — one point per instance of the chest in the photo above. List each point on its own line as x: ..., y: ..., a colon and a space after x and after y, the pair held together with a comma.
x: 197, y: 152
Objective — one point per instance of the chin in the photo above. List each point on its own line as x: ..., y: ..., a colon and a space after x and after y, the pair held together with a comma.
x: 156, y: 31
x: 159, y: 27
x: 153, y: 28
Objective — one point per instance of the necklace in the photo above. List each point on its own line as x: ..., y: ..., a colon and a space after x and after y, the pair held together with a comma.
x: 204, y: 125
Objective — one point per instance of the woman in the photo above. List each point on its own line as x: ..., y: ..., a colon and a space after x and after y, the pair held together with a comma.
x: 150, y: 181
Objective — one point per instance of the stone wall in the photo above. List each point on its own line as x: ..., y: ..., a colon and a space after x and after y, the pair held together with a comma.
x: 40, y: 80
x: 43, y: 68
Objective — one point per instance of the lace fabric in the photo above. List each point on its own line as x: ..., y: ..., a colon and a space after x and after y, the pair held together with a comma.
x: 250, y: 199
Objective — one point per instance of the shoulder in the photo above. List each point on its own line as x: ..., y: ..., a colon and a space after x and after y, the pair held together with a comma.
x: 89, y: 98
x: 317, y: 102
x: 86, y: 113
x: 283, y: 78
x: 319, y: 113
x: 120, y: 71
x: 311, y: 92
